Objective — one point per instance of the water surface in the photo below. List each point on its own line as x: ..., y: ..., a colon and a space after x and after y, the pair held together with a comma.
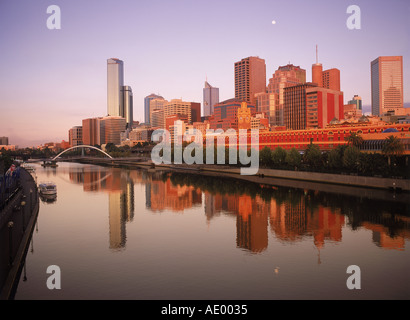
x: 132, y: 234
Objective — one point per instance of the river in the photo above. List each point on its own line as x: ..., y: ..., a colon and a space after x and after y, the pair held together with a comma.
x: 132, y: 234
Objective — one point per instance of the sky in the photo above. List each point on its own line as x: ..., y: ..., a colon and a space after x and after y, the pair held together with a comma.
x: 52, y: 79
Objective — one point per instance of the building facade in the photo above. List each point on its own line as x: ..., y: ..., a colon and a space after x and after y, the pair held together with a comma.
x: 111, y: 128
x: 226, y: 114
x: 147, y: 109
x: 272, y: 103
x: 294, y: 108
x: 128, y: 106
x: 211, y: 97
x: 92, y: 132
x: 75, y: 136
x: 322, y: 106
x: 331, y: 79
x: 387, y: 85
x: 250, y: 79
x: 115, y: 82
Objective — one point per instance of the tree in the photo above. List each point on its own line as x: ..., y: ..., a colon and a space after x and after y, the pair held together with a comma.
x: 265, y: 156
x: 351, y: 157
x: 279, y: 156
x: 354, y: 139
x: 313, y: 156
x: 335, y: 157
x: 293, y: 158
x: 392, y: 147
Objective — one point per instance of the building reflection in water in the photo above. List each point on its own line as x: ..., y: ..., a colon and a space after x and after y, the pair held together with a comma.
x: 120, y: 187
x: 290, y: 214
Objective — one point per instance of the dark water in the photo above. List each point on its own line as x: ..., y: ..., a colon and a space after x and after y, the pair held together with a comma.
x: 130, y: 234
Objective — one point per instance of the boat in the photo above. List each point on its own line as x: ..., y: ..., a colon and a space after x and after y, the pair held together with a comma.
x: 50, y: 164
x: 47, y: 188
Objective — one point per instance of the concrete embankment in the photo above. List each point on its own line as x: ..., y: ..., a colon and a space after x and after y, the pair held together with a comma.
x: 17, y: 221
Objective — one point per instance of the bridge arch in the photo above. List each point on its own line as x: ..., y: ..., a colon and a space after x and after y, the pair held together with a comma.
x: 82, y: 146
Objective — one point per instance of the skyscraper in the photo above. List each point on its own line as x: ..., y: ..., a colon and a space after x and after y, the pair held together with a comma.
x: 250, y: 79
x: 387, y: 85
x: 294, y: 108
x: 285, y: 76
x: 211, y: 97
x: 128, y: 105
x: 147, y: 113
x: 331, y: 79
x: 115, y: 82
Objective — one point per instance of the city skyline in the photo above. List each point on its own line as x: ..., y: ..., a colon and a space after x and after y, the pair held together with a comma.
x: 59, y: 76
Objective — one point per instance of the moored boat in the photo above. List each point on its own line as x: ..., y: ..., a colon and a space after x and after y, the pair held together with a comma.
x: 47, y: 188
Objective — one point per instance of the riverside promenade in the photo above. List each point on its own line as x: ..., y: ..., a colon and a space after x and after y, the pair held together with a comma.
x: 17, y: 221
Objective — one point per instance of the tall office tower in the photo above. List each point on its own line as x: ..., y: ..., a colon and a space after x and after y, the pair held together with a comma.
x: 75, y: 136
x: 115, y: 82
x: 285, y: 76
x: 387, y: 85
x: 147, y: 100
x: 128, y: 105
x: 91, y: 132
x: 331, y: 79
x: 250, y: 79
x: 356, y: 101
x: 294, y: 108
x: 211, y: 98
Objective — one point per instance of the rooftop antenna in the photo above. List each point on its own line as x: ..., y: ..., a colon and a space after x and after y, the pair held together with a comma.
x: 316, y: 55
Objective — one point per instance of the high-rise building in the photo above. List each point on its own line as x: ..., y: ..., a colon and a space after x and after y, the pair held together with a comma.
x: 294, y: 108
x: 75, y: 136
x: 317, y: 74
x: 111, y: 128
x: 4, y: 141
x: 147, y: 112
x: 195, y: 112
x: 128, y: 105
x: 211, y: 97
x: 387, y: 85
x: 91, y: 132
x: 115, y: 82
x: 158, y: 119
x: 285, y: 76
x: 156, y: 104
x: 356, y: 101
x: 250, y: 79
x: 331, y: 79
x: 322, y: 106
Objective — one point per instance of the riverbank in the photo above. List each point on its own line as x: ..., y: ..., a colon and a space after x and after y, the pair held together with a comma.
x: 267, y: 176
x: 17, y: 223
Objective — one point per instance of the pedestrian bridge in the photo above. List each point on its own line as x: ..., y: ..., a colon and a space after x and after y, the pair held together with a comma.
x: 83, y: 147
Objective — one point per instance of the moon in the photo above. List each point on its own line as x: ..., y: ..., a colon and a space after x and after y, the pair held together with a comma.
x: 273, y: 22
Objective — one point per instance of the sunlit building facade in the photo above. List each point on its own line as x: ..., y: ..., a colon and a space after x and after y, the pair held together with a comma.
x: 387, y: 85
x: 250, y: 79
x: 75, y: 136
x: 211, y: 97
x: 115, y: 82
